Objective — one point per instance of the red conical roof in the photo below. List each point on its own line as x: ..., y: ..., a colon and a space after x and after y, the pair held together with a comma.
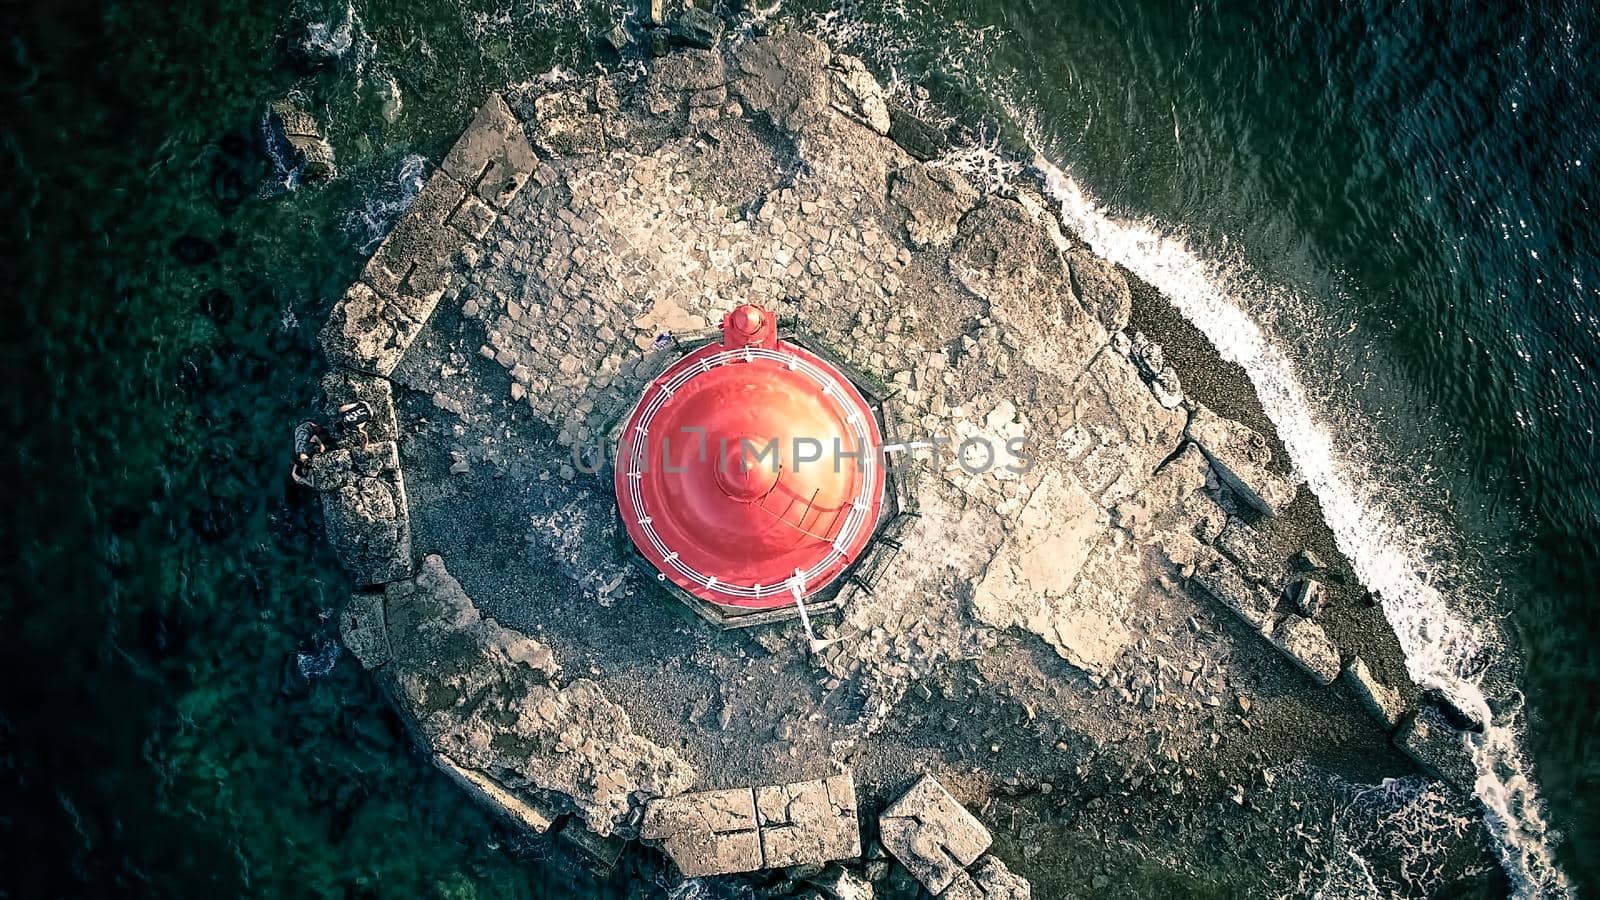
x: 748, y: 467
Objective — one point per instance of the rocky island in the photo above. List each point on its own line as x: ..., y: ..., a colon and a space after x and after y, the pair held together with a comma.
x: 1138, y: 666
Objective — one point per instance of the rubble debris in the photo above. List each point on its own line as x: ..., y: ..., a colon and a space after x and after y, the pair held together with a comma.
x: 1242, y: 544
x: 932, y: 835
x: 1307, y: 561
x: 1308, y: 595
x: 988, y: 879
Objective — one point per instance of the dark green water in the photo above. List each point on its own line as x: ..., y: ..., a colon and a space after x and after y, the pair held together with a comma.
x: 1382, y: 210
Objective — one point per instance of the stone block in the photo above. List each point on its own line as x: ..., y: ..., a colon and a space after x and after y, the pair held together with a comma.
x: 810, y: 822
x: 1242, y: 544
x: 473, y: 218
x: 1220, y: 579
x: 706, y: 832
x: 932, y: 835
x: 363, y: 630
x: 518, y: 810
x: 988, y: 879
x: 1382, y: 701
x: 413, y: 265
x: 367, y: 331
x: 296, y: 139
x: 492, y: 158
x: 1308, y: 646
x: 365, y: 511
x: 1240, y: 457
x: 1428, y: 738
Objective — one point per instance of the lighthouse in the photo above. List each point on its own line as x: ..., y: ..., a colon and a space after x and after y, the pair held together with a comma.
x: 750, y: 474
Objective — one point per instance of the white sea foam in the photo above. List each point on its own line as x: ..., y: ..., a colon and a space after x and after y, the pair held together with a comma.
x: 1369, y: 518
x: 382, y: 208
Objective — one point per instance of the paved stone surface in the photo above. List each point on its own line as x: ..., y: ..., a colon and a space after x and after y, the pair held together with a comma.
x: 932, y: 834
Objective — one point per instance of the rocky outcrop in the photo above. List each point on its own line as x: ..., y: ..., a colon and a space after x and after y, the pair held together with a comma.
x: 634, y: 210
x: 342, y: 386
x: 365, y: 510
x: 1101, y: 289
x: 1223, y: 582
x: 934, y: 201
x: 364, y: 631
x: 490, y: 703
x: 1241, y: 456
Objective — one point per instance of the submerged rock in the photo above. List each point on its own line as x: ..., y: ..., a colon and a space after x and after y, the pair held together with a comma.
x: 295, y: 138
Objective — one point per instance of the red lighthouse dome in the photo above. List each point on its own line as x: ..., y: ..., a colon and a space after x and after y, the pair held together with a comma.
x: 749, y: 469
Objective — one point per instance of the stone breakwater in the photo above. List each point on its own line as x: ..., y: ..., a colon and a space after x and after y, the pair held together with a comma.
x: 1134, y: 617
